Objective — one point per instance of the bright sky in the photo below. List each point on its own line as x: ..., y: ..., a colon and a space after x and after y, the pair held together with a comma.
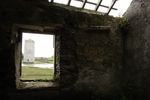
x: 121, y: 5
x: 43, y: 44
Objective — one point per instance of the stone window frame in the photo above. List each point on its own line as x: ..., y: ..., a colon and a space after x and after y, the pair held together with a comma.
x: 16, y: 39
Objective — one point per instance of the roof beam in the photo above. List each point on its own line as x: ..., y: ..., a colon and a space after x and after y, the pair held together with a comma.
x: 92, y: 3
x: 113, y: 3
x: 69, y: 2
x: 79, y: 0
x: 95, y: 4
x: 108, y: 7
x: 98, y: 5
x: 84, y: 3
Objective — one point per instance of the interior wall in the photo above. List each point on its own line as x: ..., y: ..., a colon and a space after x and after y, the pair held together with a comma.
x: 137, y: 51
x: 90, y: 60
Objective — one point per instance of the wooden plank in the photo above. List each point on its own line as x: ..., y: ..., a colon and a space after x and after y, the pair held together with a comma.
x: 92, y: 3
x: 96, y: 29
x: 108, y: 7
x: 79, y: 0
x: 113, y: 3
x: 99, y: 27
x: 69, y: 2
x: 84, y: 4
x: 98, y: 5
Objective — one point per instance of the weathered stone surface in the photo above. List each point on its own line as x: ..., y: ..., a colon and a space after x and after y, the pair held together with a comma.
x: 87, y: 61
x: 137, y: 51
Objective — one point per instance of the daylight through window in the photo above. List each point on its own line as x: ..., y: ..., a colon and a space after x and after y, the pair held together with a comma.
x: 37, y: 57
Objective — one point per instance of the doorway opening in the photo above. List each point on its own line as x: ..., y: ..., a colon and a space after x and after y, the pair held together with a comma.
x: 37, y: 60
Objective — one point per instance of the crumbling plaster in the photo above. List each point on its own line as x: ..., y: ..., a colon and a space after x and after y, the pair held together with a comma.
x: 90, y: 60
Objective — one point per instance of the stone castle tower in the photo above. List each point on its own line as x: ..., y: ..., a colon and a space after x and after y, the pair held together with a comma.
x: 29, y: 51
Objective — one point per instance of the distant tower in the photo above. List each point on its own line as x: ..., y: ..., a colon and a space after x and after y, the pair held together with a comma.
x: 28, y: 56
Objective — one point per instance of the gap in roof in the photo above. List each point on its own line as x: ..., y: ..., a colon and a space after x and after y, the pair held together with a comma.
x: 115, y: 13
x: 61, y: 1
x: 102, y: 9
x: 93, y: 1
x: 120, y: 5
x: 90, y: 6
x: 76, y: 3
x: 107, y: 2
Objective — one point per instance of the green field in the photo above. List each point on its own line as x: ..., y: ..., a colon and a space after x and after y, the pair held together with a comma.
x: 36, y: 74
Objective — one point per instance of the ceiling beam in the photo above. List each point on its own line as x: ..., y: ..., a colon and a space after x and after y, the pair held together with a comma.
x: 69, y: 2
x: 110, y: 8
x: 92, y: 3
x: 84, y: 4
x: 80, y: 0
x: 98, y: 5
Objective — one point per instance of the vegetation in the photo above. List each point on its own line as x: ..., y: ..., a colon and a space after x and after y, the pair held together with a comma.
x: 40, y: 60
x: 123, y: 25
x: 36, y: 74
x: 51, y: 60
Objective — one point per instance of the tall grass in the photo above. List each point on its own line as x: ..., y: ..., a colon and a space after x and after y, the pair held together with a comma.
x: 35, y: 73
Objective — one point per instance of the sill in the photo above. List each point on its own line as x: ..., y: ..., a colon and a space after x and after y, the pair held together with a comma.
x: 26, y: 84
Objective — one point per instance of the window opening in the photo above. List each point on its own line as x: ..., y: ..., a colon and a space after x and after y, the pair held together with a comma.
x: 37, y: 66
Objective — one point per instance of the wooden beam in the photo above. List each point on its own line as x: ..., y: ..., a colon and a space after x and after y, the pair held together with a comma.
x: 69, y: 2
x: 79, y: 0
x: 92, y: 3
x: 108, y: 7
x: 85, y: 1
x: 84, y: 4
x: 113, y: 3
x: 98, y: 5
x: 98, y: 29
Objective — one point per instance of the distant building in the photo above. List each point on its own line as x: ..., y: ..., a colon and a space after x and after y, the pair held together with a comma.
x: 29, y: 50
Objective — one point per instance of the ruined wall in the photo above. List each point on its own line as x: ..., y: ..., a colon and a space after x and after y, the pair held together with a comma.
x: 90, y: 60
x: 137, y: 51
x: 99, y: 69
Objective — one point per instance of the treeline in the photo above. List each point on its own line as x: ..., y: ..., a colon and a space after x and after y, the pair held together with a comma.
x: 44, y: 60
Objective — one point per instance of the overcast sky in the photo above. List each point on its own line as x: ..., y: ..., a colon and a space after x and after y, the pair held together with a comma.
x: 122, y: 6
x: 43, y: 44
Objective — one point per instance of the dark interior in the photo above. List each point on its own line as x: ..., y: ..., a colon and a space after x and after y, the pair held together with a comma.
x: 97, y: 56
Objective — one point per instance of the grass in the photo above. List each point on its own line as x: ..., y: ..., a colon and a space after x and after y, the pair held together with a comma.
x: 34, y: 73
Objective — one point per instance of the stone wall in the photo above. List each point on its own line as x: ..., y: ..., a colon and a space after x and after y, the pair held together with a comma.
x: 90, y: 59
x: 137, y: 51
